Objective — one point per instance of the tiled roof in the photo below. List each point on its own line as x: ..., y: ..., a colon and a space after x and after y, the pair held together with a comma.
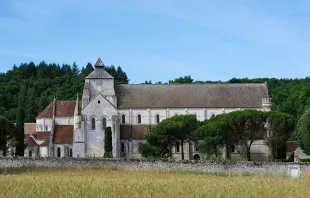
x: 134, y: 132
x: 63, y: 109
x: 63, y: 134
x: 29, y: 128
x: 291, y: 146
x: 37, y: 139
x: 31, y: 142
x: 191, y: 95
x: 42, y: 135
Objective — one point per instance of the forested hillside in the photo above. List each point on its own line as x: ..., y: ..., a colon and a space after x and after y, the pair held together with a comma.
x: 41, y: 83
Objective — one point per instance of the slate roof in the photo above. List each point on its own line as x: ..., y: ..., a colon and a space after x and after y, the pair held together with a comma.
x: 63, y: 109
x: 191, y: 95
x: 99, y: 63
x: 99, y: 72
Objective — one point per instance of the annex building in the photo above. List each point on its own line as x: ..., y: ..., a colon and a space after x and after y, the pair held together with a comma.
x: 76, y: 128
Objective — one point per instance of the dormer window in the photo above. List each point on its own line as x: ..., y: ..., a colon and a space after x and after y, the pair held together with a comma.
x: 98, y: 101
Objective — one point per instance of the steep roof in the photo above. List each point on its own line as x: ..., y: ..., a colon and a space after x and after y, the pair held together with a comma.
x: 63, y: 135
x: 99, y: 63
x: 63, y: 109
x: 191, y: 95
x: 99, y: 72
x: 38, y: 139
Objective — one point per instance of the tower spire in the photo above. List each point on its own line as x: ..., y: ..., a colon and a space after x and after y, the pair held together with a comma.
x: 99, y: 63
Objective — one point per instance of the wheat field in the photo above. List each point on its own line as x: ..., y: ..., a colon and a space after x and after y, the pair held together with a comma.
x: 129, y: 182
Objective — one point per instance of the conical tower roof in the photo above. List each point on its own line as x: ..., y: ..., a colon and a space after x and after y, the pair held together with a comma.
x: 99, y: 63
x: 99, y: 71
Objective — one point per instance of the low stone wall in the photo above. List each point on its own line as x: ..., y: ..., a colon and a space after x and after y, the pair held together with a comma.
x: 259, y: 168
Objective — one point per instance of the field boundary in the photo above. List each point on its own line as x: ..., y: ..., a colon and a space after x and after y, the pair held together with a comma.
x: 257, y: 168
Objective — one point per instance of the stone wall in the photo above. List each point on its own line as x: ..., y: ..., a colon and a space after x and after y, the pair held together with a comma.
x: 257, y: 168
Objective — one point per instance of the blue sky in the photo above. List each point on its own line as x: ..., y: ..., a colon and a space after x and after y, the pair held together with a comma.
x: 160, y: 40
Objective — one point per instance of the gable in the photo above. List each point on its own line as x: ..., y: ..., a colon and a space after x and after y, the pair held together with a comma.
x: 99, y: 106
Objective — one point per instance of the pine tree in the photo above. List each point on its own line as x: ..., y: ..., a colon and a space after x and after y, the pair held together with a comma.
x: 75, y: 70
x: 31, y: 106
x: 20, y: 119
x: 87, y: 70
x: 7, y: 131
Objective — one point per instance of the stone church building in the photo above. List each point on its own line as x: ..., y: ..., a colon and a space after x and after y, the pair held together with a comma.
x: 76, y: 128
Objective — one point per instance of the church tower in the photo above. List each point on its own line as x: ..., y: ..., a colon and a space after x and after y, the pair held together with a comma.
x: 99, y: 81
x: 99, y: 110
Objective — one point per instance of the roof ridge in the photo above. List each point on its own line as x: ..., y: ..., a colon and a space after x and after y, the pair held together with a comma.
x: 196, y: 84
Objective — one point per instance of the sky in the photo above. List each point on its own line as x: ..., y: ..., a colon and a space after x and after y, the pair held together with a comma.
x: 160, y: 40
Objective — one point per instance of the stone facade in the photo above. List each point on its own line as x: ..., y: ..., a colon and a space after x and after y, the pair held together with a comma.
x: 132, y: 110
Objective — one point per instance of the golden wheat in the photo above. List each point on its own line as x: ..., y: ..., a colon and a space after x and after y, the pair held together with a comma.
x: 127, y: 182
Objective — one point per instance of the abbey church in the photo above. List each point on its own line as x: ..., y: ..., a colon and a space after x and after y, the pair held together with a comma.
x: 76, y: 128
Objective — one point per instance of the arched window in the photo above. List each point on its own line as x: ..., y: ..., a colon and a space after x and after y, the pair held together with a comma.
x: 139, y: 118
x: 104, y: 123
x: 157, y: 118
x: 123, y: 118
x: 93, y: 124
